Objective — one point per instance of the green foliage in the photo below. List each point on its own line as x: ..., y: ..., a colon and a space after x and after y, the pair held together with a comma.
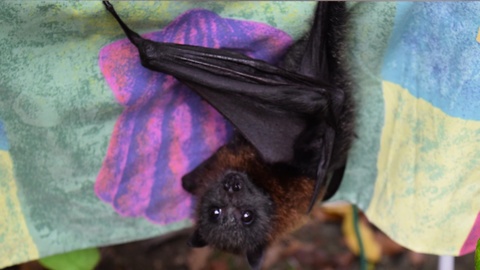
x: 85, y: 259
x: 477, y: 256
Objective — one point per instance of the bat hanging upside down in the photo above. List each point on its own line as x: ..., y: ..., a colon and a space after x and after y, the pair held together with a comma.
x: 294, y: 126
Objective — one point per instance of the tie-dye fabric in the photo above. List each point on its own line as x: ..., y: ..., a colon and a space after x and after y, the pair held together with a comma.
x: 415, y: 167
x: 92, y: 145
x: 165, y: 129
x: 428, y: 164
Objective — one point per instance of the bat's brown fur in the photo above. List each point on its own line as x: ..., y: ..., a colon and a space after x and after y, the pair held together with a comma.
x: 289, y: 192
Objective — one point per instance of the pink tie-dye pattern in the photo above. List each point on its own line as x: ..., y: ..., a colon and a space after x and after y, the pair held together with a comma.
x: 181, y: 127
x: 138, y: 192
x: 472, y: 238
x: 211, y: 128
x: 109, y: 176
x: 155, y: 141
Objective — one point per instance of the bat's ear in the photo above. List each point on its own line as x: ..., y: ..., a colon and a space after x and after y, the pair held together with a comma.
x: 255, y: 257
x: 196, y: 240
x: 189, y: 181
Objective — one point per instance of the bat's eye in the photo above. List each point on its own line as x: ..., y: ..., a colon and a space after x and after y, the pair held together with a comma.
x: 247, y: 217
x: 215, y: 213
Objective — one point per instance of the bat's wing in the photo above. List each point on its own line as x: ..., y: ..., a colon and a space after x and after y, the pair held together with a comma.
x: 321, y: 61
x: 268, y: 105
x: 289, y: 117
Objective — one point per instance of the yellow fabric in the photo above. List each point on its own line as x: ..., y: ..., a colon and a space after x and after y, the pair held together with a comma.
x: 478, y: 35
x: 372, y: 249
x: 428, y: 173
x: 13, y: 228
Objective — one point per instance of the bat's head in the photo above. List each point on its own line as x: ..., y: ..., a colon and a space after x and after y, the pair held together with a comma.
x: 234, y: 213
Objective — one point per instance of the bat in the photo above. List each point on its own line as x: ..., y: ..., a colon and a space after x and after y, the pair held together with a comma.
x: 294, y: 124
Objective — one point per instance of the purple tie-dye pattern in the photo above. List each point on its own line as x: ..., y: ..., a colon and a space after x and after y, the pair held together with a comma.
x: 166, y: 129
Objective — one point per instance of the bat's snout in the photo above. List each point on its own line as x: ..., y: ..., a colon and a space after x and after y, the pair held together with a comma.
x: 233, y: 182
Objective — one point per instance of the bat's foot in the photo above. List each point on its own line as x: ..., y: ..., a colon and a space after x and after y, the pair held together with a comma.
x: 108, y: 6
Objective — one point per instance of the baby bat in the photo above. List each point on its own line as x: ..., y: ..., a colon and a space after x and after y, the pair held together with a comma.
x: 294, y: 126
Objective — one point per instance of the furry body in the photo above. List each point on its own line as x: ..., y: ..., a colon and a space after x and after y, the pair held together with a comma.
x: 294, y: 127
x: 287, y: 191
x: 286, y: 186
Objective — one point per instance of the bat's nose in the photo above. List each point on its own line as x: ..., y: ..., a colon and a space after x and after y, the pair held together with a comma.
x: 232, y: 216
x: 233, y: 182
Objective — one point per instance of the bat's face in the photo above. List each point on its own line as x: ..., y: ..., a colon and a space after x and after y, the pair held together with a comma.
x: 234, y: 214
x: 245, y: 203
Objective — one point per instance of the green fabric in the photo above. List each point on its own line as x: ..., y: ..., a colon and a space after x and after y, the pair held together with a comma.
x: 367, y: 43
x: 57, y: 115
x: 58, y: 112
